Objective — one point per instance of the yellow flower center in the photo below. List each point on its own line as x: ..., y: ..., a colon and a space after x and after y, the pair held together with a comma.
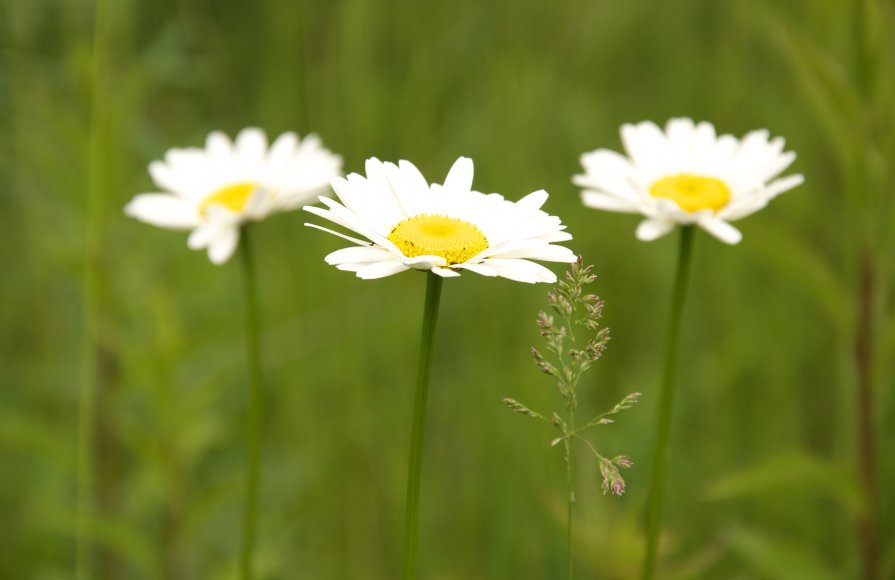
x: 434, y: 235
x: 234, y: 197
x: 692, y: 192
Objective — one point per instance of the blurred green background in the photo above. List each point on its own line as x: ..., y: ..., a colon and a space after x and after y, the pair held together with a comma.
x: 764, y: 478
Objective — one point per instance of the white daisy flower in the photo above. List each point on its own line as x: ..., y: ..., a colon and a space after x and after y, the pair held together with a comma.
x: 408, y: 223
x: 213, y: 191
x: 686, y: 175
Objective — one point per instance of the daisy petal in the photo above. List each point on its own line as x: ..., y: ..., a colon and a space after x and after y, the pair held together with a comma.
x: 480, y: 268
x: 445, y: 272
x: 459, y: 178
x: 604, y: 201
x: 222, y: 246
x: 381, y: 270
x: 521, y: 270
x: 425, y: 262
x: 250, y: 145
x: 163, y: 210
x: 335, y: 233
x: 650, y: 229
x: 721, y: 230
x: 783, y: 184
x: 358, y: 255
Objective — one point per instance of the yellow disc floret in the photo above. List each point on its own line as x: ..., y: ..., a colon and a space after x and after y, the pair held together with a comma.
x: 234, y: 197
x: 453, y: 239
x: 692, y: 192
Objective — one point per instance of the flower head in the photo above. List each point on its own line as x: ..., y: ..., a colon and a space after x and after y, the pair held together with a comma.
x: 213, y: 191
x: 687, y: 175
x: 407, y: 224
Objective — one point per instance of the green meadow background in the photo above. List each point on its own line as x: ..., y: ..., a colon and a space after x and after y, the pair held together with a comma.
x: 765, y: 479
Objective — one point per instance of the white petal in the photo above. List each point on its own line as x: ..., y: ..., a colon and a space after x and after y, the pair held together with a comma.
x: 358, y: 255
x: 521, y: 270
x: 335, y: 233
x: 481, y: 268
x: 607, y: 202
x: 221, y: 248
x: 612, y: 173
x: 647, y: 147
x: 218, y: 146
x: 203, y: 235
x: 351, y: 267
x: 548, y: 253
x: 281, y: 150
x: 743, y: 207
x: 783, y: 184
x: 557, y: 236
x: 721, y: 230
x: 250, y: 145
x: 406, y: 184
x: 259, y: 204
x: 459, y: 178
x: 381, y: 270
x: 163, y: 210
x: 169, y: 180
x: 532, y: 202
x: 425, y: 262
x: 445, y: 272
x: 650, y: 229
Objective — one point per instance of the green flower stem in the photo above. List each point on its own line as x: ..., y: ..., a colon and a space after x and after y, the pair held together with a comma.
x: 411, y: 519
x: 253, y: 340
x: 86, y: 438
x: 666, y: 402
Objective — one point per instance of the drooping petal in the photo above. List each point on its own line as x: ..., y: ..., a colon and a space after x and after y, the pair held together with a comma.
x: 445, y: 272
x: 721, y: 230
x: 652, y: 229
x: 223, y: 245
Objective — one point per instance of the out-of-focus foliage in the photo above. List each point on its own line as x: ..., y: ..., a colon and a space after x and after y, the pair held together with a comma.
x: 764, y: 481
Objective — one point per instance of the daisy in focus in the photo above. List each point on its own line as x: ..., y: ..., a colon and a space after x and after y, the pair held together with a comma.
x: 215, y: 190
x: 407, y: 224
x: 687, y: 175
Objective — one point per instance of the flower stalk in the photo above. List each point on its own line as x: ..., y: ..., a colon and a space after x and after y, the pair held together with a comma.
x: 666, y: 404
x: 418, y: 430
x: 253, y: 437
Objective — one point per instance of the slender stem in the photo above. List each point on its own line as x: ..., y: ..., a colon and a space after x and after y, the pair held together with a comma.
x: 570, y: 489
x: 868, y: 525
x: 866, y: 71
x: 411, y: 519
x: 87, y: 396
x: 253, y: 340
x: 666, y: 402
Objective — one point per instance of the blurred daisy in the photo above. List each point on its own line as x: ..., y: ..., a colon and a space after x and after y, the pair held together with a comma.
x: 408, y: 223
x: 213, y: 191
x: 686, y: 175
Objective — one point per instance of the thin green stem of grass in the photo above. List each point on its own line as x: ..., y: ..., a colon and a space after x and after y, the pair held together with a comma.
x: 666, y: 404
x: 87, y: 395
x: 570, y: 488
x: 253, y: 437
x: 414, y: 470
